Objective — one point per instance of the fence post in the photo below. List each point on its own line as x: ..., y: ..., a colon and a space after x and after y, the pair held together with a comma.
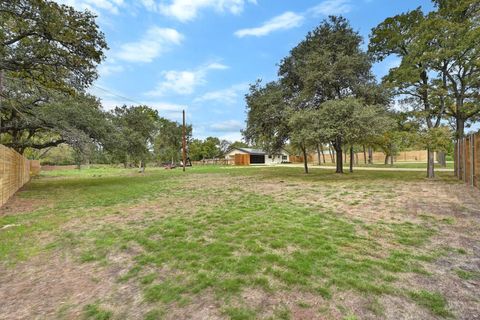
x: 472, y: 159
x: 458, y: 159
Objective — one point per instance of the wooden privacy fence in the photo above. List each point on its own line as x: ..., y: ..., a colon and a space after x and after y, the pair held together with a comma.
x: 15, y: 172
x: 467, y: 159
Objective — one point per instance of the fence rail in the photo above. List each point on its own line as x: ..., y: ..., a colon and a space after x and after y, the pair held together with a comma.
x: 467, y: 159
x: 218, y: 162
x: 15, y: 172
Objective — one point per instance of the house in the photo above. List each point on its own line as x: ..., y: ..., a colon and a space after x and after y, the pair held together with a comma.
x: 247, y: 156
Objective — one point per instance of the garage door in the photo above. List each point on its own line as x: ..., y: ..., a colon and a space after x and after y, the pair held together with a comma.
x: 257, y: 159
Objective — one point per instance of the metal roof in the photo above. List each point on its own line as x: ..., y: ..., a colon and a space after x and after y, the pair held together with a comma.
x: 256, y: 152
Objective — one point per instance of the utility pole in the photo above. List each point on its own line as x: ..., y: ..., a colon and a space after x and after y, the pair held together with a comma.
x: 184, y: 143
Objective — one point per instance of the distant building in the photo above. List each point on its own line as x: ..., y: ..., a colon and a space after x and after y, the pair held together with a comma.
x: 247, y: 156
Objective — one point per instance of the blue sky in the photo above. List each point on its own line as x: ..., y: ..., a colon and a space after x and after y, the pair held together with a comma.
x: 200, y: 55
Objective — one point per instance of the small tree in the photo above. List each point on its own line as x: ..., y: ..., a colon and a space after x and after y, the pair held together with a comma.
x: 304, y: 131
x: 350, y: 121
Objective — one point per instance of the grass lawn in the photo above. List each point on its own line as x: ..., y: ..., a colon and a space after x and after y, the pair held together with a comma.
x: 406, y: 165
x: 240, y: 243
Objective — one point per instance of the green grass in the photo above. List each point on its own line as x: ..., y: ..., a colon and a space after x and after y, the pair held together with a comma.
x: 404, y: 165
x: 434, y: 301
x: 235, y: 240
x: 468, y: 275
x: 95, y: 312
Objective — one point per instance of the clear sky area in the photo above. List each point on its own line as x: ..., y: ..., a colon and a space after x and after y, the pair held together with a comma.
x: 201, y: 55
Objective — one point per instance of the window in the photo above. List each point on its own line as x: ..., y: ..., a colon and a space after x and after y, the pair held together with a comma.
x: 284, y: 157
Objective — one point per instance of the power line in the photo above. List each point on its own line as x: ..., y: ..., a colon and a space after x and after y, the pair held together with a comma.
x: 115, y: 94
x: 93, y: 85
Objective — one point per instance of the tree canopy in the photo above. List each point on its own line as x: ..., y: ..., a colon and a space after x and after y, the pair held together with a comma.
x: 51, y: 44
x: 438, y: 74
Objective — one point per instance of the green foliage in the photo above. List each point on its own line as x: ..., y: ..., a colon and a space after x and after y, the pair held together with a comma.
x: 133, y: 133
x: 439, y: 67
x: 49, y: 54
x: 167, y: 142
x: 32, y: 122
x: 267, y: 120
x: 437, y: 139
x: 48, y: 43
x: 60, y: 155
x: 327, y: 66
x: 209, y: 148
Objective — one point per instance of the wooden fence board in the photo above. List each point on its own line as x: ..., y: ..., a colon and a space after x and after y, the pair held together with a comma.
x: 467, y: 159
x: 242, y: 159
x: 15, y: 172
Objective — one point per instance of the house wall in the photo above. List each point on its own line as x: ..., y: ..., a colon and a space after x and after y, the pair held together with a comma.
x: 276, y: 159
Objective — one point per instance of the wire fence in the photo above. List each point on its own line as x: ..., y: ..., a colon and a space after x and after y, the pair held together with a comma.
x: 15, y: 171
x: 467, y: 159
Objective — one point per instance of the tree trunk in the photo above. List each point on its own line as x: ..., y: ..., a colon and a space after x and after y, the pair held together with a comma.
x: 351, y: 158
x: 345, y: 157
x: 305, y: 160
x: 339, y: 152
x: 364, y: 154
x: 386, y: 159
x: 430, y: 164
x: 318, y: 154
x: 460, y: 133
x: 391, y: 160
x: 370, y: 156
x: 331, y: 152
x: 323, y: 154
x: 441, y: 159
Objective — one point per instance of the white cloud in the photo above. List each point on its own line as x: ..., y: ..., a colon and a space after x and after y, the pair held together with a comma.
x: 227, y: 126
x: 202, y: 131
x: 167, y: 110
x: 232, y: 136
x: 111, y: 98
x: 285, y: 21
x: 107, y: 69
x: 225, y: 96
x: 187, y: 10
x: 332, y: 7
x: 184, y: 82
x: 153, y: 43
x: 111, y: 6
